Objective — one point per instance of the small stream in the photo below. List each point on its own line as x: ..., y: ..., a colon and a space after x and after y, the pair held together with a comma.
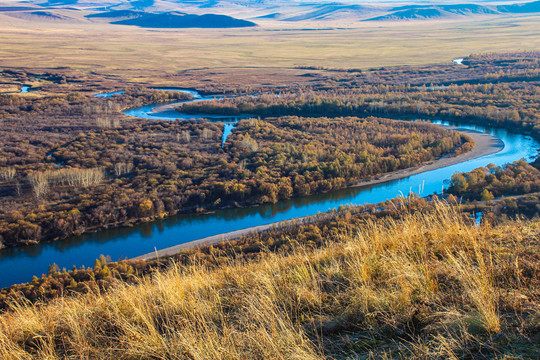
x: 109, y: 94
x: 168, y: 111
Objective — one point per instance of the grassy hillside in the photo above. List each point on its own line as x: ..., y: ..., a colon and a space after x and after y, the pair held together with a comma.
x: 423, y: 285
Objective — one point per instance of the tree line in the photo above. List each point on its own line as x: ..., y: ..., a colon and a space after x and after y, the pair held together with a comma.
x: 502, y: 104
x: 487, y: 183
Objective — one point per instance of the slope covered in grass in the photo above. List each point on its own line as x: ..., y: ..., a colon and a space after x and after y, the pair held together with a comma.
x: 427, y: 284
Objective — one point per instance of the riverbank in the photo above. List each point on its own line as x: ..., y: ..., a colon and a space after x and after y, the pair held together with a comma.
x: 485, y: 144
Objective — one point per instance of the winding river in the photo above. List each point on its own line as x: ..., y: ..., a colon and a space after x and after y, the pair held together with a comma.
x: 20, y: 264
x: 168, y: 112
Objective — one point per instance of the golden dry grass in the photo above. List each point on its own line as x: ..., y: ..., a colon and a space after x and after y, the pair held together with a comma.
x: 143, y: 53
x: 425, y: 286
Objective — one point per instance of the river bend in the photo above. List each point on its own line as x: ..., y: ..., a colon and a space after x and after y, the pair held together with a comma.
x: 20, y: 264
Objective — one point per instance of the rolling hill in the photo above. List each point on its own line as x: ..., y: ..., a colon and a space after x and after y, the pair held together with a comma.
x: 424, y: 12
x: 329, y: 11
x: 41, y: 16
x: 531, y: 7
x: 117, y: 14
x: 175, y: 20
x: 410, y: 14
x: 173, y: 13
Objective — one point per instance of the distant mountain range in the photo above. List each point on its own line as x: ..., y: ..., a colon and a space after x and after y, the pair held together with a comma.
x: 38, y: 15
x: 329, y: 11
x: 246, y: 13
x: 117, y: 14
x: 415, y: 12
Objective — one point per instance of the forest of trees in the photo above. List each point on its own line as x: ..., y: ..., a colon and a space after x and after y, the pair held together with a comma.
x: 507, y: 104
x: 491, y: 182
x: 112, y: 177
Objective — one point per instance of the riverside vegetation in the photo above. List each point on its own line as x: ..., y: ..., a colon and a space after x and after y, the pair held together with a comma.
x: 112, y: 175
x: 501, y: 103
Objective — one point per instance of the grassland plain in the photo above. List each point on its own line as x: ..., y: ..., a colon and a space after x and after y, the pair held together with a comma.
x: 144, y: 54
x: 427, y: 284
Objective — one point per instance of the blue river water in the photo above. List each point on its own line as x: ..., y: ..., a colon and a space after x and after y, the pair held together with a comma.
x: 20, y: 264
x: 169, y: 113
